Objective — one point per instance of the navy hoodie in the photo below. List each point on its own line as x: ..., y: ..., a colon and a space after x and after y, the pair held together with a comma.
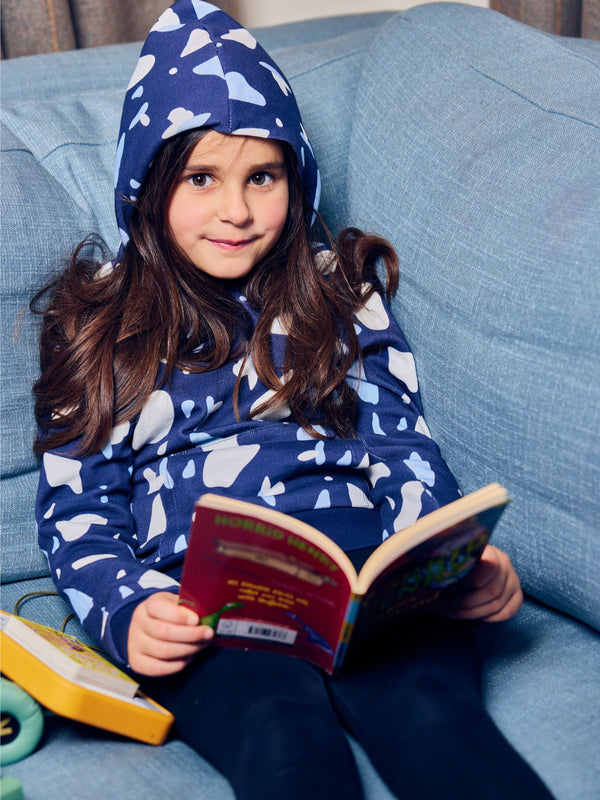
x: 114, y: 525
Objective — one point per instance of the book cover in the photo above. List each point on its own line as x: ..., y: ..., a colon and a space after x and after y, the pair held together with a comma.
x: 263, y: 579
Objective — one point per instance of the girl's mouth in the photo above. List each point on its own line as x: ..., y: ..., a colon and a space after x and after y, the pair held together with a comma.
x: 229, y: 244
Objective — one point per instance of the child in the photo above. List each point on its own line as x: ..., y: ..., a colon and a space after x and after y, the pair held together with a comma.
x: 223, y: 350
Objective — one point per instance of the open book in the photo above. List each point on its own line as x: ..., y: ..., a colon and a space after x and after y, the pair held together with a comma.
x: 265, y: 580
x: 74, y: 681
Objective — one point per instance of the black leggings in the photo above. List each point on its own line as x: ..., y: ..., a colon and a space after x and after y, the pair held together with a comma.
x: 275, y: 726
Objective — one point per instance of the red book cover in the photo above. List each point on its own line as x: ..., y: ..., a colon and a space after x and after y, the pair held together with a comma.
x: 261, y: 584
x: 265, y: 580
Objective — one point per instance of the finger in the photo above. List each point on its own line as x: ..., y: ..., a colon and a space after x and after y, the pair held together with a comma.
x: 166, y: 606
x: 485, y: 570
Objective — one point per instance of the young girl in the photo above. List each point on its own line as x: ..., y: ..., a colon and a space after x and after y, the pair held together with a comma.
x: 223, y: 350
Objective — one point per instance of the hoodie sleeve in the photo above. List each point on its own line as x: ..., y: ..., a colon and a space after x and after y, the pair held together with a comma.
x: 87, y: 532
x: 408, y: 476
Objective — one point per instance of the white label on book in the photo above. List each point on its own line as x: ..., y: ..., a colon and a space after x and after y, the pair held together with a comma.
x: 248, y: 629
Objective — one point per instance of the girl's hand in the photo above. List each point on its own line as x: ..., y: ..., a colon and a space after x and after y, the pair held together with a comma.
x: 492, y: 592
x: 164, y: 636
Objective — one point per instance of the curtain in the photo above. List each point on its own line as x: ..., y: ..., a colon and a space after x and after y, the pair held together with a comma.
x: 565, y: 17
x: 45, y: 26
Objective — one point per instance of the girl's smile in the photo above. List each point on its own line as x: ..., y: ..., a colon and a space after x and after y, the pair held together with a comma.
x: 230, y: 203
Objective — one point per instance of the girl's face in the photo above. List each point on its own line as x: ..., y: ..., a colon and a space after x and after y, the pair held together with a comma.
x: 229, y: 204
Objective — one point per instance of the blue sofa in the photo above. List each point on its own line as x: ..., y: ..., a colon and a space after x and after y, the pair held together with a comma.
x: 473, y: 143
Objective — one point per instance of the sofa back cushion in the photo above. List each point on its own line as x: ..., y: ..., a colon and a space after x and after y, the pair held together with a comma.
x: 476, y: 150
x: 60, y: 128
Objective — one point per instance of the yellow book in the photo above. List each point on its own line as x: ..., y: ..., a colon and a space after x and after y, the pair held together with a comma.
x: 75, y: 681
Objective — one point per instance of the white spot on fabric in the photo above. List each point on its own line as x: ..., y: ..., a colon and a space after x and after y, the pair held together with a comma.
x: 141, y: 117
x: 167, y: 22
x: 87, y: 560
x: 402, y: 366
x: 274, y: 414
x: 156, y: 580
x: 182, y: 119
x: 412, y: 492
x: 198, y: 39
x: 125, y: 591
x: 155, y: 421
x: 318, y: 454
x: 323, y: 500
x: 50, y: 512
x: 224, y: 465
x: 248, y: 371
x: 81, y: 603
x: 61, y: 471
x: 268, y: 492
x: 158, y: 519
x: 78, y: 526
x: 277, y: 327
x: 358, y: 499
x: 260, y: 133
x: 142, y: 68
x: 373, y: 314
x: 377, y: 471
x: 163, y: 469
x: 242, y: 36
x: 421, y: 469
x: 211, y: 406
x: 180, y: 544
x: 377, y: 429
x: 119, y: 433
x: 210, y: 67
x: 281, y: 81
x: 189, y: 470
x: 121, y: 574
x: 367, y: 392
x: 187, y: 407
x: 421, y: 427
x: 118, y: 158
x: 202, y: 9
x: 345, y: 460
x: 240, y: 89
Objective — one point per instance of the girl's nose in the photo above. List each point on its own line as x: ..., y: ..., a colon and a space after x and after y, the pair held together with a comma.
x: 233, y: 205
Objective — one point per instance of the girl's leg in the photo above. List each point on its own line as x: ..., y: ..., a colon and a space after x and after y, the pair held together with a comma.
x: 413, y: 702
x: 265, y: 722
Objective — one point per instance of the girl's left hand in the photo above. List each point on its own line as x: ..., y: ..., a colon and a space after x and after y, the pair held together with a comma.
x: 492, y: 592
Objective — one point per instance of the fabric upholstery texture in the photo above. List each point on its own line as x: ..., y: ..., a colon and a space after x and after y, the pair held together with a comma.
x: 473, y: 143
x: 493, y: 202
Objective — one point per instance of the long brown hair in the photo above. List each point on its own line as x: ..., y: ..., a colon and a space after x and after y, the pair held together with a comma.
x: 105, y: 330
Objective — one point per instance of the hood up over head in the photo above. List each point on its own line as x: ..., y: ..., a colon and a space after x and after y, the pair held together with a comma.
x: 199, y: 68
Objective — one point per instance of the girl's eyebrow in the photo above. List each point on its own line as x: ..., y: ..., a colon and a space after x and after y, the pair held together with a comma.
x: 269, y: 166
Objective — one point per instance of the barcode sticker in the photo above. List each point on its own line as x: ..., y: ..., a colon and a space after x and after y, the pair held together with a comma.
x: 256, y: 630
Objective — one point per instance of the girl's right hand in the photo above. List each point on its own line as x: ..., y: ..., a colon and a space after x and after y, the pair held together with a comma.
x: 164, y: 636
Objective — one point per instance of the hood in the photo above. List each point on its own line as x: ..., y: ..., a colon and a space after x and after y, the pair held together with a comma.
x: 199, y: 68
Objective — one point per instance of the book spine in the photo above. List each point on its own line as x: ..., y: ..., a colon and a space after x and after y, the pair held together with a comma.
x: 347, y: 629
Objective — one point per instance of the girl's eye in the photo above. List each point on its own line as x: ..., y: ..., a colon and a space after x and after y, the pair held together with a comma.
x: 202, y: 180
x: 261, y: 179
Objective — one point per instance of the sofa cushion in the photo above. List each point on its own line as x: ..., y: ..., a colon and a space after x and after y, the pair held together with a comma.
x: 483, y: 170
x: 540, y: 684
